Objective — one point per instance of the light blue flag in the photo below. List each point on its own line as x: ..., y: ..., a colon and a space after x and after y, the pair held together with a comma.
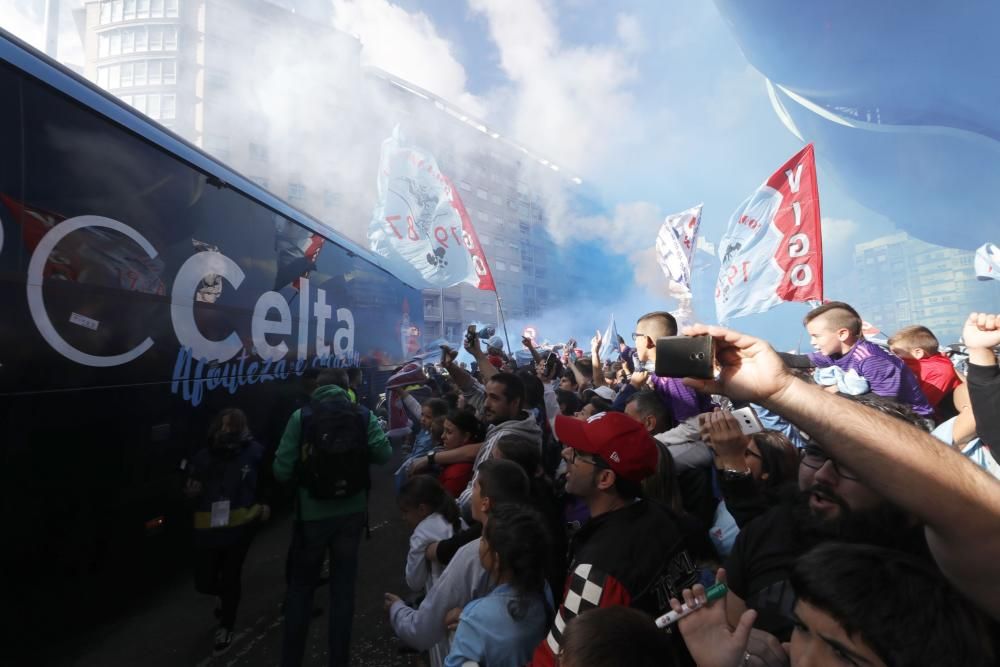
x: 609, y: 349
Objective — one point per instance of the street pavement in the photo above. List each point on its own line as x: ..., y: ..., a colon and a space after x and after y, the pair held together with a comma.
x: 176, y: 626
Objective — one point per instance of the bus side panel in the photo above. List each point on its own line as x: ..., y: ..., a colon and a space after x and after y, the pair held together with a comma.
x: 140, y: 297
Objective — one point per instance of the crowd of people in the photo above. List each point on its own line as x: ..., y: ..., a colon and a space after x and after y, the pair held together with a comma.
x: 864, y: 504
x: 581, y: 511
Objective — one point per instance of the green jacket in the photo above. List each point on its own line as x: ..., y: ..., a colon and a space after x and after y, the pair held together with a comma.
x: 287, y: 456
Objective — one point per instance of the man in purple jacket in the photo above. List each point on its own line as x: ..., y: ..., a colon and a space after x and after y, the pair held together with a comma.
x: 682, y: 401
x: 835, y: 333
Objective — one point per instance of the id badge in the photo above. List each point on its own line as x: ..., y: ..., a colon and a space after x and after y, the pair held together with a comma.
x: 220, y: 514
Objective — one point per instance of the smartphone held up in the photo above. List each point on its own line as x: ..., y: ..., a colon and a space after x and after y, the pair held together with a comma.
x: 685, y: 356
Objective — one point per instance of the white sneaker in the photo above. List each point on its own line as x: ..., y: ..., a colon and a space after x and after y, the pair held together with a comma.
x: 223, y: 640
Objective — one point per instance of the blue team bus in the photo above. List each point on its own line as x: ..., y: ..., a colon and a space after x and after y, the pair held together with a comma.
x: 145, y: 286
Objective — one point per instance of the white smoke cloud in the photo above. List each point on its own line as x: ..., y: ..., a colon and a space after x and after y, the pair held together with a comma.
x: 571, y: 103
x: 408, y: 45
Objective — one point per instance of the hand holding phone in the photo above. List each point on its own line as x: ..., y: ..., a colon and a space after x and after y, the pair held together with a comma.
x: 471, y: 339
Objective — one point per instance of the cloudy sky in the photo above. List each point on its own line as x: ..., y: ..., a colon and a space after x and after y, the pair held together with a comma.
x: 653, y: 102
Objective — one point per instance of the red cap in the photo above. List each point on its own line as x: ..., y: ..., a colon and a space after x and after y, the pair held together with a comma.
x: 619, y: 440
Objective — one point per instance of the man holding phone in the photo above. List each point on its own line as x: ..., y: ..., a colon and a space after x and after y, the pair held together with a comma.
x: 683, y: 402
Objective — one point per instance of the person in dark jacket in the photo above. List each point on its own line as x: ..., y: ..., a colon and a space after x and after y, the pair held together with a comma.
x: 223, y: 481
x: 630, y: 552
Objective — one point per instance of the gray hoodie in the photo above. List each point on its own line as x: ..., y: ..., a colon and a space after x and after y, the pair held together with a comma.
x: 523, y: 426
x: 686, y: 446
x: 461, y: 582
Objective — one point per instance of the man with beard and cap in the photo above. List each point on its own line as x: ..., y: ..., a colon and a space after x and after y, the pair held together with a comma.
x: 832, y: 505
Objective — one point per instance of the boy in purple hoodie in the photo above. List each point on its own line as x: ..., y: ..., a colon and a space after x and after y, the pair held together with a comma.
x: 835, y: 333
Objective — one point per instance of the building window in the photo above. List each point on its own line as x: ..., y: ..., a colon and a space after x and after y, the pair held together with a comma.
x: 141, y: 40
x: 116, y: 44
x: 117, y: 10
x: 169, y: 72
x: 330, y: 198
x: 139, y: 72
x: 105, y: 12
x: 496, y: 199
x: 126, y: 77
x: 171, y: 9
x: 482, y: 194
x: 155, y: 72
x: 515, y: 268
x: 296, y: 191
x: 153, y: 106
x: 484, y: 239
x: 465, y: 186
x: 501, y: 266
x: 170, y: 39
x: 142, y: 9
x: 156, y: 10
x: 168, y: 109
x: 129, y: 12
x: 469, y: 305
x: 128, y: 41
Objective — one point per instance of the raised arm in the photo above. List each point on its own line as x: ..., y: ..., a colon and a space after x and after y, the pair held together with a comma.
x: 981, y: 335
x: 958, y: 503
x: 595, y: 358
x: 463, y: 380
x: 530, y: 344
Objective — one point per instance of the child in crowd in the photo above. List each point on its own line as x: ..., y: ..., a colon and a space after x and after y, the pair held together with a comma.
x: 461, y: 428
x: 918, y: 348
x: 503, y: 628
x: 424, y: 442
x: 835, y: 333
x: 433, y: 515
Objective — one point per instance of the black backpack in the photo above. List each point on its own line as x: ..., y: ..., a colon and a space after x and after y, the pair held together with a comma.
x: 333, y: 459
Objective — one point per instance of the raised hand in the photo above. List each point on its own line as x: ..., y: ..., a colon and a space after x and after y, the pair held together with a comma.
x: 595, y: 343
x: 982, y: 330
x: 721, y: 432
x: 706, y: 632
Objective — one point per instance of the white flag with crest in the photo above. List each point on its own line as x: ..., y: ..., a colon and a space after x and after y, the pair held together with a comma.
x: 987, y: 262
x: 675, y: 246
x: 420, y: 226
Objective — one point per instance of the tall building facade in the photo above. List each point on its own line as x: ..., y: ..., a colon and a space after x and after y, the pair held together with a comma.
x: 503, y: 186
x: 902, y: 281
x: 273, y: 90
x: 214, y: 72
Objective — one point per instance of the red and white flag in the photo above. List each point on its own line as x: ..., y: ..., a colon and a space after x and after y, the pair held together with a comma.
x: 420, y: 226
x: 772, y: 251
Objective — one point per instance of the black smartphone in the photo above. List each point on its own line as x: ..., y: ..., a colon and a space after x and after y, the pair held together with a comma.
x: 550, y: 363
x: 470, y: 336
x: 685, y: 356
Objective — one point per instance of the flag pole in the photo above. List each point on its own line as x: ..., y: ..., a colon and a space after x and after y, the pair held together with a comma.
x: 502, y: 321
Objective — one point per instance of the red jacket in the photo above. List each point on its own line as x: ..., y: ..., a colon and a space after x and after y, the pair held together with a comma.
x: 936, y: 375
